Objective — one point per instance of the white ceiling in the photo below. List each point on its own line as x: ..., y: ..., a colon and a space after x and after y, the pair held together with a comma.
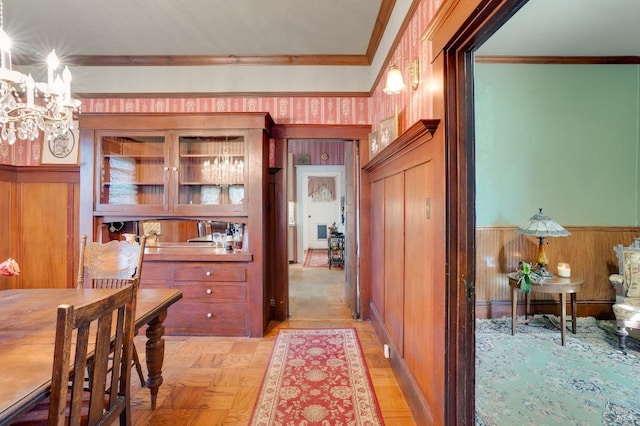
x: 569, y: 28
x: 193, y: 27
x: 232, y: 29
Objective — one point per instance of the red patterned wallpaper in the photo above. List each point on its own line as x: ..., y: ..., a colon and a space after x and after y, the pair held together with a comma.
x: 22, y: 153
x: 289, y: 110
x: 315, y: 149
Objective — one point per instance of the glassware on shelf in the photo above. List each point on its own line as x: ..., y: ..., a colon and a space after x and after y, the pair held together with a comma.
x: 217, y: 238
x: 210, y: 194
x: 238, y: 236
x: 236, y: 194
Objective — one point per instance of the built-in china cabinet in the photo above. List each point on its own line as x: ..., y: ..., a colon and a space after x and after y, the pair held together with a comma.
x: 167, y: 175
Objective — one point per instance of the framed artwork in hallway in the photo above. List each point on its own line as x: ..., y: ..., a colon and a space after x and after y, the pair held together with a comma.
x: 388, y: 131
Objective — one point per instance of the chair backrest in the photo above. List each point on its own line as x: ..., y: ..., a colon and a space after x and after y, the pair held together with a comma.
x: 88, y: 330
x: 110, y: 265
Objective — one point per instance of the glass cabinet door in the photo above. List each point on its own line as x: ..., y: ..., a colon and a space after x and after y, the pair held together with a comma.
x: 131, y: 172
x: 212, y: 171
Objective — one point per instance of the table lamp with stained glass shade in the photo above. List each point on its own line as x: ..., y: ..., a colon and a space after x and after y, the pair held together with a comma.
x: 542, y: 226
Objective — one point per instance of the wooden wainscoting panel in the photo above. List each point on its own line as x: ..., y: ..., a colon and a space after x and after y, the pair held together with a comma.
x: 377, y: 246
x: 424, y: 323
x: 394, y: 259
x: 589, y: 251
x: 44, y: 235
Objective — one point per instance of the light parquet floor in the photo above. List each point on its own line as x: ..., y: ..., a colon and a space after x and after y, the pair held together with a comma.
x: 216, y: 380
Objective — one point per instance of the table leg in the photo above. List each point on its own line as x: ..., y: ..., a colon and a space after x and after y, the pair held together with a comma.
x: 563, y: 318
x: 514, y: 309
x: 155, y: 355
x: 574, y: 308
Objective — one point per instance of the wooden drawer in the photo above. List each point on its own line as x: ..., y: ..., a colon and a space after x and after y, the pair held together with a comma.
x: 211, y: 292
x: 209, y: 273
x: 213, y: 319
x: 156, y: 271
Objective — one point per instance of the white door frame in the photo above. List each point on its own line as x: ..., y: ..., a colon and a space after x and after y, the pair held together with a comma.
x: 302, y: 173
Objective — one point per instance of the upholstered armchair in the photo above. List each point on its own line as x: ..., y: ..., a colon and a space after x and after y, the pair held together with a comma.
x: 627, y: 286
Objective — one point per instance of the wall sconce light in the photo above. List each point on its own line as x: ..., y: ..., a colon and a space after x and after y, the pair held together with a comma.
x: 414, y: 72
x: 395, y: 84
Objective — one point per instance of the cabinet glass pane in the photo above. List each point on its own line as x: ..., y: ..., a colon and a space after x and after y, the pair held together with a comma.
x: 132, y: 170
x: 212, y: 170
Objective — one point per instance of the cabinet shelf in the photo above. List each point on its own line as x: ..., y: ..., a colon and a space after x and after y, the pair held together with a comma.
x: 111, y: 183
x: 209, y: 156
x: 160, y: 157
x: 209, y: 183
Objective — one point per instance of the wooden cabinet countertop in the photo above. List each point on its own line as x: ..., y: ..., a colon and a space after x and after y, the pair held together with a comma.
x: 194, y: 252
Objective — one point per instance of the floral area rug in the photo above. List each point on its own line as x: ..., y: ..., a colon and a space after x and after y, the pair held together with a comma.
x: 316, y: 376
x: 316, y: 258
x: 531, y: 379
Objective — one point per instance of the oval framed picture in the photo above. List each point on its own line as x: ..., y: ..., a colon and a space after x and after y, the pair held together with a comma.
x: 61, y: 149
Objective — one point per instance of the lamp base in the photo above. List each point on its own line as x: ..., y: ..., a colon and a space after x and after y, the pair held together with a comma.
x: 543, y: 273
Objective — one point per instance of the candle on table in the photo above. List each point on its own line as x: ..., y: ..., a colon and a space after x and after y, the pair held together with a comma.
x: 564, y: 270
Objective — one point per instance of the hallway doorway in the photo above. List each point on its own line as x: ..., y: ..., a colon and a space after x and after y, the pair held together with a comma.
x: 317, y: 210
x: 321, y: 193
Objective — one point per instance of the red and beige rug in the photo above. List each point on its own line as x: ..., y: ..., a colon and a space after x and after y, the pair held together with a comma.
x: 316, y: 258
x: 316, y: 376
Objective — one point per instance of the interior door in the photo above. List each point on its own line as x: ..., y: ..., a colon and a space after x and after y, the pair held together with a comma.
x: 323, y: 209
x: 349, y: 210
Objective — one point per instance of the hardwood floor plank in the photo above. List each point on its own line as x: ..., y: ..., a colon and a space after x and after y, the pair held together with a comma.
x: 218, y: 397
x: 185, y: 397
x: 209, y: 417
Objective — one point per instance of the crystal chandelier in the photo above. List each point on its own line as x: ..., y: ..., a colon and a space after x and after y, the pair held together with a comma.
x: 28, y: 107
x: 226, y: 168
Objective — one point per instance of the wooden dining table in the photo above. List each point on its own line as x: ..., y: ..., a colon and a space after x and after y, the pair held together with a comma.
x: 27, y: 335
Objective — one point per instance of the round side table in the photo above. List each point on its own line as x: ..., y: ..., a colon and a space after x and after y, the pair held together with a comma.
x: 555, y: 285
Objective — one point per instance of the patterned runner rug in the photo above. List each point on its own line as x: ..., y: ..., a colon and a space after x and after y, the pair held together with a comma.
x: 316, y: 376
x: 316, y: 258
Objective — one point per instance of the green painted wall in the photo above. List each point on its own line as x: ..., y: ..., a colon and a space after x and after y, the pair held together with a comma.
x: 561, y: 137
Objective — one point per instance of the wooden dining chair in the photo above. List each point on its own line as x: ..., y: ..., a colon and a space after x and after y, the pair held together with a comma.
x: 86, y: 332
x: 112, y: 265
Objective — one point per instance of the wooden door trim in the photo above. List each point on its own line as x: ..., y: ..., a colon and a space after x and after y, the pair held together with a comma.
x: 482, y: 23
x: 281, y: 133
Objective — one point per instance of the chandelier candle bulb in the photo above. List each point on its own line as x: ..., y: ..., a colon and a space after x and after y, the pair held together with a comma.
x: 52, y: 62
x: 564, y: 270
x: 30, y: 88
x: 66, y: 78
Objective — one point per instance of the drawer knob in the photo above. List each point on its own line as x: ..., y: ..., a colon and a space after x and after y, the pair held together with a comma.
x: 208, y: 273
x: 209, y: 315
x: 209, y: 291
